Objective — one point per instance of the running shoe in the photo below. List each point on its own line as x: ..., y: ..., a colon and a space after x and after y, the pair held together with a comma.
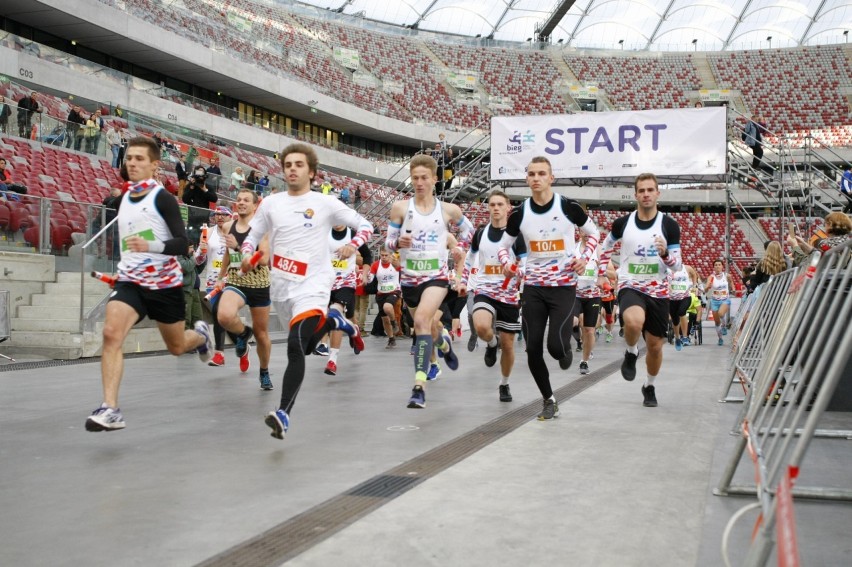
x: 105, y: 418
x: 584, y: 367
x: 724, y: 330
x: 265, y: 381
x: 598, y: 331
x: 628, y: 367
x: 650, y: 396
x: 321, y: 349
x: 621, y: 332
x: 685, y: 341
x: 472, y: 343
x: 549, y: 410
x: 565, y: 363
x: 434, y: 371
x: 505, y: 393
x: 245, y: 363
x: 721, y: 342
x: 579, y: 346
x: 217, y: 360
x: 411, y: 350
x: 356, y: 341
x: 678, y: 344
x: 449, y: 356
x: 490, y: 356
x: 279, y: 422
x: 331, y: 368
x: 609, y: 337
x: 241, y: 342
x: 391, y: 343
x: 418, y: 398
x: 205, y: 351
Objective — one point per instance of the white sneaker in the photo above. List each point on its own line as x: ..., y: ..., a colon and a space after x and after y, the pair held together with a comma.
x: 105, y: 418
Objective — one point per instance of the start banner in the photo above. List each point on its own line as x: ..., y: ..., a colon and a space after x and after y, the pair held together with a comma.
x: 689, y: 141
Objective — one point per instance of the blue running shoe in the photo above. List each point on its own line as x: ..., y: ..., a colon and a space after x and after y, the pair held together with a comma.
x: 678, y: 345
x: 685, y: 341
x: 279, y: 422
x: 434, y: 371
x: 265, y: 381
x: 724, y: 330
x: 205, y: 350
x: 449, y: 356
x: 341, y: 323
x: 241, y: 342
x: 418, y: 398
x: 721, y: 342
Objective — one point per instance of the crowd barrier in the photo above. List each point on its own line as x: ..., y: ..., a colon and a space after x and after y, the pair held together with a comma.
x: 794, y: 351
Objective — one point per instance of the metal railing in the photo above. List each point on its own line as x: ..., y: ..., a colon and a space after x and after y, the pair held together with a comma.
x: 793, y: 385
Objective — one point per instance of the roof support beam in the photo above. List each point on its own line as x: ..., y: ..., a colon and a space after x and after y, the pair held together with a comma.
x: 543, y: 33
x: 499, y: 21
x: 812, y: 22
x: 416, y: 23
x: 662, y: 19
x: 736, y: 25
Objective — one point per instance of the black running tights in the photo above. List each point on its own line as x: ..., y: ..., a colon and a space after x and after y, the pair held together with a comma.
x: 303, y: 339
x: 541, y: 304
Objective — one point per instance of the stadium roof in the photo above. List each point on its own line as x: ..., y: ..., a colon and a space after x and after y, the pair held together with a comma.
x: 657, y: 25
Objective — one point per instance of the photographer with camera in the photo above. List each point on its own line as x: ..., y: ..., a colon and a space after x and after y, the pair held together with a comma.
x: 198, y: 197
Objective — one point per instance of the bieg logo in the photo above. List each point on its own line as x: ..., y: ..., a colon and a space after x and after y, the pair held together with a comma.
x: 519, y: 142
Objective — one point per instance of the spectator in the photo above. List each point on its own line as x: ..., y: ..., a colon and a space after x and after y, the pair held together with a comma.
x: 5, y: 112
x: 443, y: 157
x: 191, y: 287
x: 27, y: 105
x: 358, y: 198
x: 5, y: 176
x: 237, y: 179
x: 213, y: 169
x: 263, y: 185
x: 772, y: 264
x: 158, y: 137
x: 846, y: 188
x: 118, y: 111
x: 90, y: 132
x: 251, y: 180
x: 124, y: 137
x: 182, y: 174
x: 753, y: 137
x: 73, y: 123
x: 96, y: 139
x: 837, y: 230
x: 326, y: 188
x: 198, y: 197
x: 344, y: 195
x: 113, y: 139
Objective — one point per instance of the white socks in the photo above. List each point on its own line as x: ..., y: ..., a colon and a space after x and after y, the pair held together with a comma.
x: 633, y: 349
x: 649, y: 380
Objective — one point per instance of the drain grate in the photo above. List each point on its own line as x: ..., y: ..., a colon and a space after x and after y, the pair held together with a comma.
x: 301, y: 532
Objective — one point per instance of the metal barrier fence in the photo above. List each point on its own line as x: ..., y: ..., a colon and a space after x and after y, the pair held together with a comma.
x: 808, y: 352
x: 756, y: 329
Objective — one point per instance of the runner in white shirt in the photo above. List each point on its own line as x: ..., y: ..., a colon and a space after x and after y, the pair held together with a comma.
x: 650, y: 245
x: 679, y: 301
x: 212, y: 252
x: 149, y: 279
x: 388, y: 293
x: 588, y: 306
x: 496, y: 298
x: 418, y: 228
x: 298, y: 223
x: 718, y: 289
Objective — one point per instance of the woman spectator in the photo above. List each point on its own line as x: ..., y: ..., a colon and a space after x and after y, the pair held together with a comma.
x: 251, y: 180
x: 237, y: 180
x: 838, y: 229
x: 772, y: 264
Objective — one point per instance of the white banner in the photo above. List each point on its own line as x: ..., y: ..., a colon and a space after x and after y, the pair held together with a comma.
x: 689, y: 141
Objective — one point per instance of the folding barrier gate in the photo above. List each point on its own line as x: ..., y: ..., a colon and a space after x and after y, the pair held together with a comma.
x: 794, y: 350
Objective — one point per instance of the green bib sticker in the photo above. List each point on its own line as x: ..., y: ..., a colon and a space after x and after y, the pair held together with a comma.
x: 144, y: 235
x: 422, y: 265
x: 643, y: 269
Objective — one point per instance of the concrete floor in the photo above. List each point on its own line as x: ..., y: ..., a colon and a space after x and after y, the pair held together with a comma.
x: 196, y: 473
